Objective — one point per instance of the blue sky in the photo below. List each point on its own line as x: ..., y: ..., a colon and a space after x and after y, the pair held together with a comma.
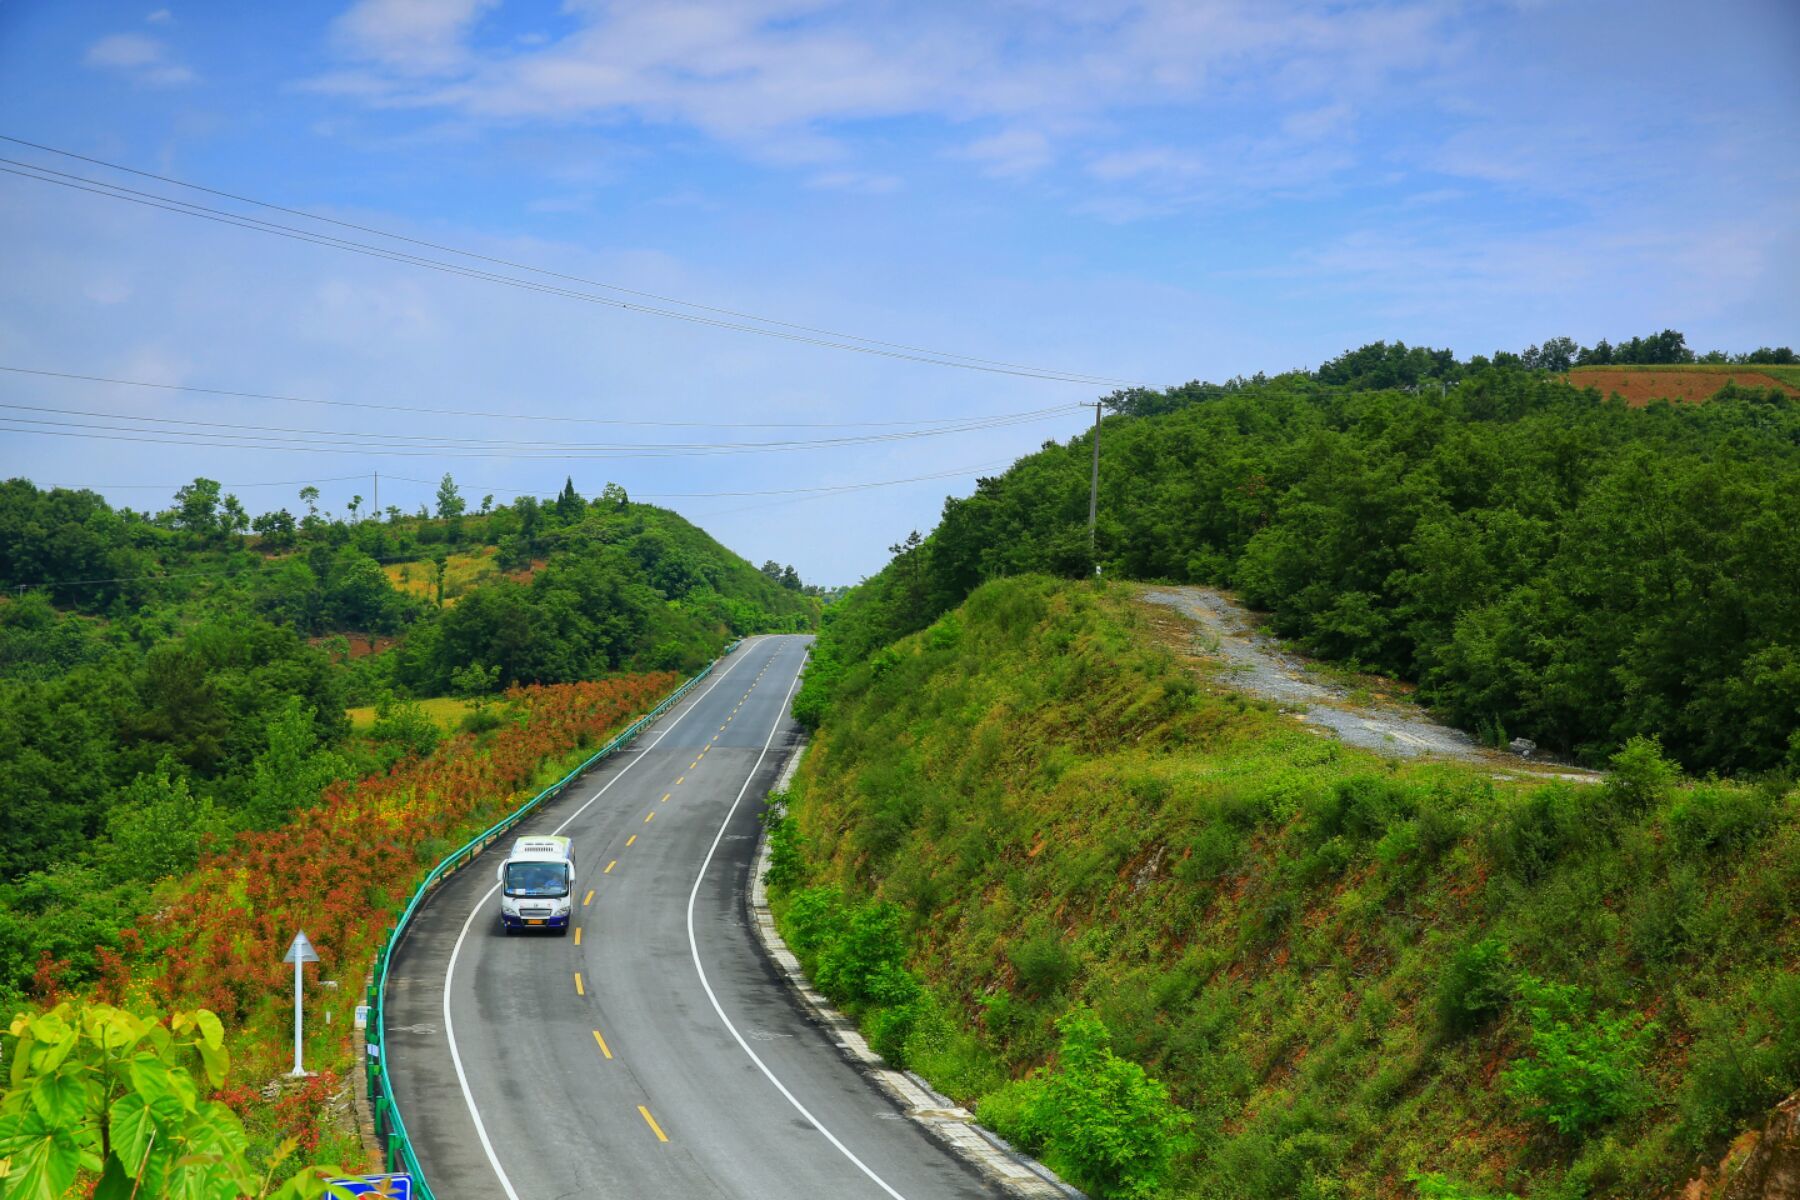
x: 1153, y: 192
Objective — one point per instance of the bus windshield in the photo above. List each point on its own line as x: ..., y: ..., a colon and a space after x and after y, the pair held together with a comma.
x: 537, y: 879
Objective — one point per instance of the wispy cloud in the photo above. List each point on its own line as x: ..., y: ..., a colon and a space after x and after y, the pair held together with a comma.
x: 785, y: 80
x: 140, y: 58
x: 1010, y: 153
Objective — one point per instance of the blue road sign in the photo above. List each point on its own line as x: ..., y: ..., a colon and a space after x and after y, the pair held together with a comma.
x: 389, y: 1187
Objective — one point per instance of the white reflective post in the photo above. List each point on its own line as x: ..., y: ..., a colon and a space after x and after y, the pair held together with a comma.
x: 300, y: 953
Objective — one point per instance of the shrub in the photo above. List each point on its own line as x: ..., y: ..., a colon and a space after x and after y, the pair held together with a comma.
x: 787, y: 858
x: 1475, y: 986
x: 1584, y: 1068
x: 1043, y: 964
x: 865, y: 961
x: 1440, y: 1187
x: 1099, y: 1119
x: 1538, y: 832
x: 1741, y: 1061
x: 814, y: 919
x: 1641, y: 777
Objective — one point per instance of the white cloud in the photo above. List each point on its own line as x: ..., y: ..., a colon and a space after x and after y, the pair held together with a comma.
x: 142, y: 59
x: 775, y: 78
x: 161, y: 16
x: 410, y: 37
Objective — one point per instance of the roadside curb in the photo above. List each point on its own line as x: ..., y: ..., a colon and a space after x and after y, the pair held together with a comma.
x: 954, y: 1127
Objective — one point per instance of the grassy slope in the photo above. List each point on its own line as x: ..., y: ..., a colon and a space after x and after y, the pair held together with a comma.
x: 1070, y: 812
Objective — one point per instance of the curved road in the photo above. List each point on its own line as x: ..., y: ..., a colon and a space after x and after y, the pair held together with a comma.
x: 654, y: 1053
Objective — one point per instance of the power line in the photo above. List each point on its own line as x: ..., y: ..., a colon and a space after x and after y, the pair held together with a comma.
x: 114, y: 487
x: 183, y: 431
x: 41, y: 174
x: 470, y: 254
x: 511, y: 416
x: 831, y: 489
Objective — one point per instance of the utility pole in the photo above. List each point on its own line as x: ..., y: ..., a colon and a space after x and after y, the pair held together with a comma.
x: 1094, y: 496
x: 377, y: 507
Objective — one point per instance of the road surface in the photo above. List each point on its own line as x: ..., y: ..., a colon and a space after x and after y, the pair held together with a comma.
x: 654, y: 1053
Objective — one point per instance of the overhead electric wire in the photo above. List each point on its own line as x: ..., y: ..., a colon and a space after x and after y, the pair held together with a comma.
x: 512, y: 416
x: 222, y: 433
x: 947, y: 473
x: 965, y: 359
x: 223, y: 216
x: 115, y: 487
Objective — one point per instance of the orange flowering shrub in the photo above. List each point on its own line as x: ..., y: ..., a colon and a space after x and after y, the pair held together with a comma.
x: 343, y: 867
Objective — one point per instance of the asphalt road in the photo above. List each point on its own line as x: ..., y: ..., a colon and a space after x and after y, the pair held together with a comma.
x: 655, y: 1053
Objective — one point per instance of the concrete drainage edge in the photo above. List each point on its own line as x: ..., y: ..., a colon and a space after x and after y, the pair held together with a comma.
x: 954, y: 1127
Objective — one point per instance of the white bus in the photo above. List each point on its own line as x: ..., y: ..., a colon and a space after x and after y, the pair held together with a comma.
x: 537, y: 885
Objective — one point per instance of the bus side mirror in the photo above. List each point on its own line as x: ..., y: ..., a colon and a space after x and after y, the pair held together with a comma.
x: 500, y: 872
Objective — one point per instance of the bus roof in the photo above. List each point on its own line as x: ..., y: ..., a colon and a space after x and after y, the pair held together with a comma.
x: 542, y: 847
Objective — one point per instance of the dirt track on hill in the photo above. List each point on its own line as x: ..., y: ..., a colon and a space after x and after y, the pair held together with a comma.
x: 1254, y: 663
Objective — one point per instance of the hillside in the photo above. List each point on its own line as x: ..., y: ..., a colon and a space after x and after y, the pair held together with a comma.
x: 155, y: 667
x: 1540, y: 561
x: 1347, y: 970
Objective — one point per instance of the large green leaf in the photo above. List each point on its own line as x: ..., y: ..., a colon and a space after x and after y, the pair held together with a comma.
x: 212, y: 1030
x: 132, y: 1127
x: 60, y: 1098
x: 214, y: 1061
x: 156, y: 1080
x: 43, y: 1159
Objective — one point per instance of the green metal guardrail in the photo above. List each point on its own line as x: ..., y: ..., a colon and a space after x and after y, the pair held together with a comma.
x: 390, y: 1130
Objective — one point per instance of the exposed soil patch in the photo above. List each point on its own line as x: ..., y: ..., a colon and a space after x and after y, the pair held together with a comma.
x: 1688, y: 386
x: 1376, y: 717
x: 360, y: 645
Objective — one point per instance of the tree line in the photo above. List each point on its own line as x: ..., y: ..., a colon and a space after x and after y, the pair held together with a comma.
x: 1544, y: 562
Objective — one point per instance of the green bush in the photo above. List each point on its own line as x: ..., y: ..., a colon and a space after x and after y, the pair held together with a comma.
x: 1098, y: 1119
x: 1640, y: 775
x: 1475, y: 986
x: 1043, y: 964
x: 787, y: 858
x: 1744, y: 1059
x: 1440, y: 1187
x: 1584, y: 1067
x: 814, y: 919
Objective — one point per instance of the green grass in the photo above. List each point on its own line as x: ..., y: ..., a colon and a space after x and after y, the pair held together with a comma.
x: 1325, y: 955
x: 447, y: 712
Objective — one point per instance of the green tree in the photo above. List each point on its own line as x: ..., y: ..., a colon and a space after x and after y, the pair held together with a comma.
x: 449, y: 500
x: 292, y: 771
x: 155, y: 827
x: 197, y: 508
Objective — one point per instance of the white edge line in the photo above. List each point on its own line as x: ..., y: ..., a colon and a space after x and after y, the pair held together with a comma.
x: 694, y: 947
x: 462, y: 1078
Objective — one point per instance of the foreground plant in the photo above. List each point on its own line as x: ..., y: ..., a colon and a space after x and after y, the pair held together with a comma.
x: 102, y: 1095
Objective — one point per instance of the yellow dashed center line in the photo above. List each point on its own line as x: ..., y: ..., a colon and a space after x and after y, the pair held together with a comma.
x: 679, y: 782
x: 579, y: 990
x: 649, y: 816
x: 630, y: 840
x: 665, y: 798
x: 693, y: 764
x: 608, y: 871
x: 654, y: 1127
x: 578, y: 935
x: 602, y: 1042
x: 589, y: 898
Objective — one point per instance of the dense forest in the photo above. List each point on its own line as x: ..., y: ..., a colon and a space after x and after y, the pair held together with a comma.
x: 1543, y: 561
x: 168, y: 680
